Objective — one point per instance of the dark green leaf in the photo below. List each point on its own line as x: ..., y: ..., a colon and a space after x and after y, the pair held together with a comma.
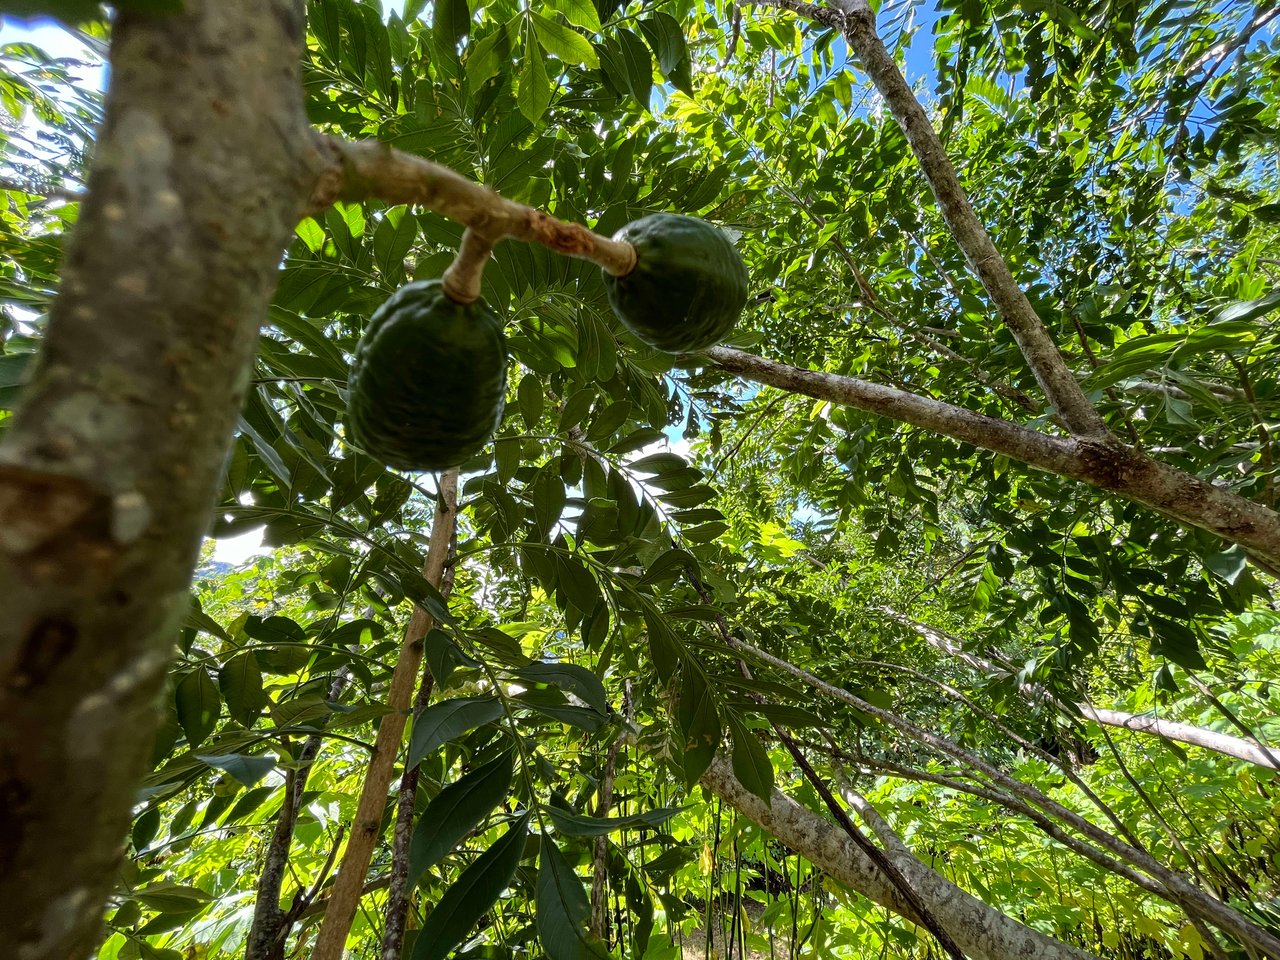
x: 443, y: 721
x: 563, y: 911
x: 471, y: 895
x: 456, y: 811
x: 245, y: 768
x: 198, y: 705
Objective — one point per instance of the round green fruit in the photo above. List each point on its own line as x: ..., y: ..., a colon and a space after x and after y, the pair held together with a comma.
x: 688, y: 287
x: 428, y: 381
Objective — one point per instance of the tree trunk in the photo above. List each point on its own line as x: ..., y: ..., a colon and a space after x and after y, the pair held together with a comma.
x: 981, y: 931
x: 110, y: 469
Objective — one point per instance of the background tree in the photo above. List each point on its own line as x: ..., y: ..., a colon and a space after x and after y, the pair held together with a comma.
x: 883, y: 549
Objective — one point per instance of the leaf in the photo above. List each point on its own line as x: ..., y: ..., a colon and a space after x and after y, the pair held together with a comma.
x: 581, y: 13
x: 552, y: 703
x: 1249, y: 309
x: 471, y: 895
x: 751, y: 763
x: 564, y: 43
x: 667, y: 40
x: 240, y: 682
x: 579, y: 681
x: 699, y: 722
x: 576, y: 825
x: 563, y: 911
x: 533, y: 94
x: 530, y: 399
x: 637, y: 66
x: 172, y: 898
x: 443, y: 721
x: 198, y: 705
x: 245, y: 768
x: 490, y: 54
x: 1229, y: 564
x: 456, y: 811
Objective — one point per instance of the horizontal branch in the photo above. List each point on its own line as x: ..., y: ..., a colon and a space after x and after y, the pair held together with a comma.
x: 1104, y: 463
x: 369, y: 170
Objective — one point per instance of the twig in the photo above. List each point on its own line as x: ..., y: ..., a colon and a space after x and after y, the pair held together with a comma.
x: 365, y: 832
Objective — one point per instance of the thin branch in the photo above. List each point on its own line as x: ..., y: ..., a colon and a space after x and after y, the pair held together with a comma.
x: 463, y: 278
x: 1177, y: 888
x: 366, y: 828
x: 365, y: 170
x: 399, y: 890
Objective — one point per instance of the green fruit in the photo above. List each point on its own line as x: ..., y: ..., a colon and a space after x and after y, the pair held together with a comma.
x: 429, y: 380
x: 688, y: 287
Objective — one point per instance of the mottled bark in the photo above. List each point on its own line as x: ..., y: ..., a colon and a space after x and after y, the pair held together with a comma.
x: 110, y: 469
x: 981, y: 931
x: 1103, y: 463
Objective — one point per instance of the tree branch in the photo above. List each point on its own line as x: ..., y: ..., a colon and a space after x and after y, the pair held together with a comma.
x: 1105, y: 464
x: 367, y: 170
x: 856, y: 21
x: 366, y: 828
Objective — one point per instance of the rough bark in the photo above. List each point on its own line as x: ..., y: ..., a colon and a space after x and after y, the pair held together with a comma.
x: 981, y: 931
x: 1103, y: 463
x: 366, y: 828
x: 110, y: 469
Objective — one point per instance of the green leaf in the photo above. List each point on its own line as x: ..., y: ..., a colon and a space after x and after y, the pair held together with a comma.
x: 637, y: 66
x: 244, y: 767
x: 579, y: 681
x: 1229, y: 564
x: 1249, y: 309
x: 562, y: 42
x: 563, y: 911
x: 198, y: 705
x: 240, y: 681
x: 699, y: 722
x: 443, y: 721
x: 490, y: 54
x: 392, y: 240
x: 456, y: 811
x: 530, y: 399
x: 171, y: 898
x: 471, y: 896
x: 668, y: 43
x: 552, y: 703
x: 581, y: 13
x: 533, y: 95
x: 576, y: 825
x: 751, y: 763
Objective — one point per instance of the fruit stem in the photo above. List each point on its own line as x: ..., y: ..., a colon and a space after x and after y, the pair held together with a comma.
x: 462, y: 280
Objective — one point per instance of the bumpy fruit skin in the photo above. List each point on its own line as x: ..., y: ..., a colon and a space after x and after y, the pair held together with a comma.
x: 688, y: 287
x: 429, y: 380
